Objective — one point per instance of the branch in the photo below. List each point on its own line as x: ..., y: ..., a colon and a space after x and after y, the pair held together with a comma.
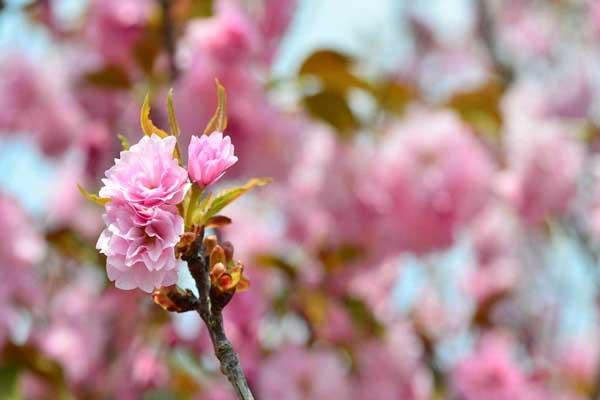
x: 210, y: 306
x: 486, y: 31
x: 169, y: 37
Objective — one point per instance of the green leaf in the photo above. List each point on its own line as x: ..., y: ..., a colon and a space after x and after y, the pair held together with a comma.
x: 332, y: 108
x: 480, y: 107
x: 124, y: 142
x: 224, y: 198
x: 173, y: 124
x: 93, y: 197
x: 277, y: 262
x: 394, y: 96
x: 9, y: 382
x: 218, y: 122
x: 148, y: 127
x: 109, y: 76
x: 333, y: 71
x: 362, y: 316
x: 200, y: 9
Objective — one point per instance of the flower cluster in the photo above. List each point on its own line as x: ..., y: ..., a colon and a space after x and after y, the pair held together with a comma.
x: 144, y: 192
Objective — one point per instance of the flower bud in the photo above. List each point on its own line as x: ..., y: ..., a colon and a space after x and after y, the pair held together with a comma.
x: 217, y: 255
x: 228, y: 248
x: 209, y: 243
x: 209, y: 157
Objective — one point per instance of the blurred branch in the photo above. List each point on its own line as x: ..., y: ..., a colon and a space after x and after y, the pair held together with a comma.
x: 169, y: 37
x: 486, y: 31
x: 210, y: 306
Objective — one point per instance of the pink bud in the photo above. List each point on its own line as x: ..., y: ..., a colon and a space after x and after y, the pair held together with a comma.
x: 209, y: 157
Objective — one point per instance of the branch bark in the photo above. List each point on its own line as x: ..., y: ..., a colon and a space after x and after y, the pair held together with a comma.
x: 210, y: 308
x: 486, y: 31
x: 169, y: 37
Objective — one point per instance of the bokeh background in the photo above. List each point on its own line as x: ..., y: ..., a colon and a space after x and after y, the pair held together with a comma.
x: 433, y: 227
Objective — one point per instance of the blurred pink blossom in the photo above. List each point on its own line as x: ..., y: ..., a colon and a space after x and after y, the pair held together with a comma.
x: 274, y: 18
x: 21, y: 247
x: 323, y: 189
x: 543, y: 156
x: 114, y: 26
x: 149, y: 369
x: 209, y: 157
x: 38, y: 101
x: 228, y: 37
x: 391, y: 368
x: 77, y: 332
x: 496, y: 243
x: 264, y: 136
x: 140, y: 245
x: 309, y: 375
x: 428, y: 179
x: 147, y: 174
x: 526, y: 30
x: 490, y: 373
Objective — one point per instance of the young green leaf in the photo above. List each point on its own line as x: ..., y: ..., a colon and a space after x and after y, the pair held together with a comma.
x: 92, y: 197
x: 147, y: 126
x: 124, y: 142
x: 227, y: 196
x: 173, y: 124
x: 218, y: 122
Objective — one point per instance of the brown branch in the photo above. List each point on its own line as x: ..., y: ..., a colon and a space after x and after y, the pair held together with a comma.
x: 486, y: 31
x: 210, y: 307
x: 169, y: 37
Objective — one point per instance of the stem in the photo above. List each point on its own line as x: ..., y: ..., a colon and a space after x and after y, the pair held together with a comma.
x: 196, y: 192
x: 212, y: 316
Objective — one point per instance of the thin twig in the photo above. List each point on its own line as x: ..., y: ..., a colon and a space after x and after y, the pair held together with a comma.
x: 210, y: 310
x: 169, y: 37
x: 486, y: 31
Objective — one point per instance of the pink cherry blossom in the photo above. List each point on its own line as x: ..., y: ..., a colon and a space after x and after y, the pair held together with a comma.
x: 544, y: 156
x: 72, y: 337
x: 265, y: 138
x: 149, y: 369
x: 21, y: 247
x: 391, y: 368
x: 140, y: 245
x: 490, y: 373
x: 38, y: 101
x: 309, y: 375
x: 147, y: 174
x: 273, y: 21
x: 114, y: 26
x: 496, y: 243
x: 429, y: 178
x: 209, y: 156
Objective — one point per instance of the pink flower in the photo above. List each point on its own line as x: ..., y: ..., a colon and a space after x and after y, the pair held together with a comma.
x: 114, y: 26
x: 148, y: 369
x: 496, y: 244
x: 301, y: 374
x: 209, y: 157
x: 140, y: 245
x: 72, y: 338
x: 429, y: 179
x: 39, y: 101
x: 544, y: 167
x: 229, y: 37
x: 147, y: 174
x: 490, y: 373
x: 391, y: 368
